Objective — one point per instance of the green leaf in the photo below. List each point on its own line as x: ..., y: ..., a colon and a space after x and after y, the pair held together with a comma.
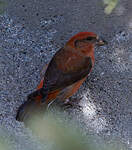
x: 2, y: 6
x: 110, y: 5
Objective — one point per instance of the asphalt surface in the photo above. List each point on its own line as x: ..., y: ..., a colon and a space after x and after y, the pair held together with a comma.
x: 32, y: 31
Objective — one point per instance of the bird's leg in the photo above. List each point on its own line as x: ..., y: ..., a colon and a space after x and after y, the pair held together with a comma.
x: 72, y: 103
x: 66, y: 94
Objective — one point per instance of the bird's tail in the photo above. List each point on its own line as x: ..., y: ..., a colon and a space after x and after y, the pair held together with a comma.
x: 32, y: 107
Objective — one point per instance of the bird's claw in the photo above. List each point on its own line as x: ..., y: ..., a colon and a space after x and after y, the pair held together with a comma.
x: 72, y: 103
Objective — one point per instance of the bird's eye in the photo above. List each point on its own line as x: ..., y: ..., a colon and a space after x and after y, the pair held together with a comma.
x: 90, y: 38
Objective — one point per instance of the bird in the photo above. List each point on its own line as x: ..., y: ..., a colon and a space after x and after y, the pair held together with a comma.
x: 65, y: 73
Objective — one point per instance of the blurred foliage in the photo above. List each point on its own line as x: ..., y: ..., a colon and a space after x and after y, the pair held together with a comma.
x: 55, y: 133
x: 2, y: 6
x: 66, y: 136
x: 61, y: 135
x: 3, y: 144
x: 110, y: 5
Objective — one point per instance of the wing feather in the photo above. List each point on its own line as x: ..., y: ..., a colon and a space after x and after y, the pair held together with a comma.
x: 66, y: 67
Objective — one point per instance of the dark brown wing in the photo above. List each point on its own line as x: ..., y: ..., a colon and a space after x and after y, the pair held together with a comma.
x: 66, y: 67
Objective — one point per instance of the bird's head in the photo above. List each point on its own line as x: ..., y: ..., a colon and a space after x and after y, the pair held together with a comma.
x: 84, y: 39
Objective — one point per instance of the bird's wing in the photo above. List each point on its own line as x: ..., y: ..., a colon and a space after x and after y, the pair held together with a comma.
x: 66, y: 67
x: 43, y: 71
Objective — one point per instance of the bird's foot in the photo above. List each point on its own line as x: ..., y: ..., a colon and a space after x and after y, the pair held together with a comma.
x: 72, y: 103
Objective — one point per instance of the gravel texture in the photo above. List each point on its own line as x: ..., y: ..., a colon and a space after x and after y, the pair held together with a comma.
x: 32, y: 31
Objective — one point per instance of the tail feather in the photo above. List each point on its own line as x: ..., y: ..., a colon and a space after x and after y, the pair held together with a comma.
x: 29, y: 110
x: 24, y: 110
x: 40, y: 94
x: 32, y: 107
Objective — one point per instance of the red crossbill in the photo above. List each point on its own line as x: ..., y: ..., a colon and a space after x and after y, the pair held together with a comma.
x: 64, y: 74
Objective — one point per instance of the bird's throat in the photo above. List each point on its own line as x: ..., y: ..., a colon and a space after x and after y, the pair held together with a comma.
x: 89, y: 51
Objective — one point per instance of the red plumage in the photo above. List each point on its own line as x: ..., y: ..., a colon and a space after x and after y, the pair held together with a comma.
x: 65, y: 73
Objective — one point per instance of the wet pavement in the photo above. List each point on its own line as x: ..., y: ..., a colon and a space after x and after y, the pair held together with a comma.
x: 32, y: 31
